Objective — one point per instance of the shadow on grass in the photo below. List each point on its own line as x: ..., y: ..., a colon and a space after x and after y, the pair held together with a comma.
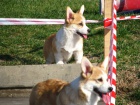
x: 98, y: 54
x: 21, y: 60
x: 35, y: 49
x: 27, y: 60
x: 6, y: 57
x: 135, y: 96
x: 18, y: 59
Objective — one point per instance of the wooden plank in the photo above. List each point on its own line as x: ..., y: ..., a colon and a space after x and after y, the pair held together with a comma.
x: 107, y: 32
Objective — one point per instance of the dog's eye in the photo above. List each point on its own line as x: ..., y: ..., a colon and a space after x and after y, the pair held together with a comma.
x: 100, y: 80
x: 81, y: 24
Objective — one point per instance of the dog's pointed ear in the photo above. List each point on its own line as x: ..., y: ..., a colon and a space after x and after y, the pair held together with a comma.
x: 69, y: 14
x: 82, y: 9
x: 86, y: 67
x: 104, y: 65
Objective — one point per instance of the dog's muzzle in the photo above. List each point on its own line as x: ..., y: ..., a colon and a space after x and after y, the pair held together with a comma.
x: 101, y: 93
x: 83, y: 35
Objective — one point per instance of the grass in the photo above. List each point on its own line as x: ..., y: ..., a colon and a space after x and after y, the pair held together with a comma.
x: 22, y: 45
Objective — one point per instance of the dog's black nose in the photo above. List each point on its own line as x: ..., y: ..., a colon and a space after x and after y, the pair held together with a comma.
x: 110, y: 89
x: 88, y: 30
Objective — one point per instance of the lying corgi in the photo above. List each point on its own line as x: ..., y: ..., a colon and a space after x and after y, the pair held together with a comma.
x: 87, y: 89
x: 68, y: 41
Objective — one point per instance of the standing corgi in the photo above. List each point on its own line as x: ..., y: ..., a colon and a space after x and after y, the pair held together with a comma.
x: 68, y: 41
x: 87, y: 89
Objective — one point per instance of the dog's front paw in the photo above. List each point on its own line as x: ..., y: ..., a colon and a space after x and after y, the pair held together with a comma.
x: 78, y: 62
x: 60, y: 62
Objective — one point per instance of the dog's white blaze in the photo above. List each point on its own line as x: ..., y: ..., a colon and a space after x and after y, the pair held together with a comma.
x: 105, y: 85
x: 84, y: 29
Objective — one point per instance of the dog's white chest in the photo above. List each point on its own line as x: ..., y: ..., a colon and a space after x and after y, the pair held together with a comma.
x: 67, y: 40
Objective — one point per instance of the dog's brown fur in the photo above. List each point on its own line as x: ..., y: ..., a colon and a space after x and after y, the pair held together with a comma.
x: 49, y: 46
x: 46, y: 92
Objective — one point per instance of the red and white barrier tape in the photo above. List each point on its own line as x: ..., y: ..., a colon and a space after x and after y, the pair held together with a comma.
x: 128, y: 17
x: 112, y: 25
x: 108, y: 21
x: 25, y: 21
x: 112, y: 55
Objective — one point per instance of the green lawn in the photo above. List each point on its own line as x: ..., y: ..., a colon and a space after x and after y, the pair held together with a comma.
x: 22, y: 45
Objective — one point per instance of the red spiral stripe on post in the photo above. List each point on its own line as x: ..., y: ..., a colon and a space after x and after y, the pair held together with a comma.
x: 112, y: 63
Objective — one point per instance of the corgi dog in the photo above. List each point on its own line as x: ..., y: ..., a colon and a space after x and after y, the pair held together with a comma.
x: 68, y: 41
x: 87, y: 89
